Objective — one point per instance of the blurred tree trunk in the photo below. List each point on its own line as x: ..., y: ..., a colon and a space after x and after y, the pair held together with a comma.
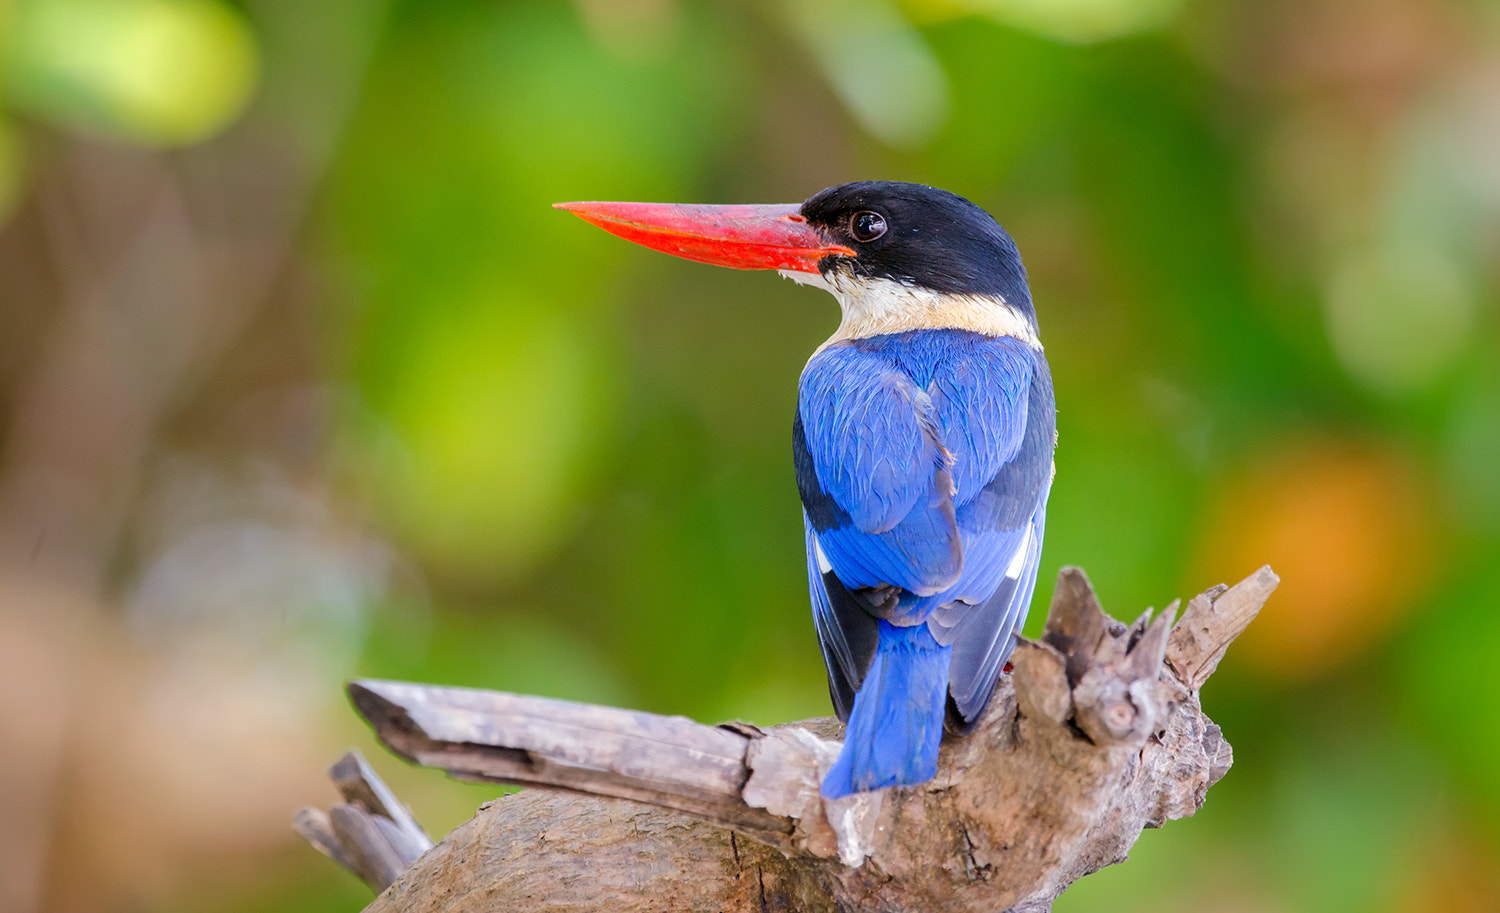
x: 131, y: 271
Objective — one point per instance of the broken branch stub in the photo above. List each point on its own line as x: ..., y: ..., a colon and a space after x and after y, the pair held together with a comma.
x: 370, y: 833
x: 1097, y: 734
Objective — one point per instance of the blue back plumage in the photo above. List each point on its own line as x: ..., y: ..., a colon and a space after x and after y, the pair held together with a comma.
x: 923, y: 459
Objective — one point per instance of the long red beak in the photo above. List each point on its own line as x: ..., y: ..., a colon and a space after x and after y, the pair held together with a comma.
x: 740, y: 237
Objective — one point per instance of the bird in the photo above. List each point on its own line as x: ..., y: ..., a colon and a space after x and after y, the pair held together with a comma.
x: 922, y: 444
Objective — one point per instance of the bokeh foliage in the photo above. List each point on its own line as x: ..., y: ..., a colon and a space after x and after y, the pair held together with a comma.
x: 1263, y: 239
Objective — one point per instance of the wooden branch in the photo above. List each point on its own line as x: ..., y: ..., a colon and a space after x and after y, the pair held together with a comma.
x: 1097, y: 734
x: 371, y: 833
x: 670, y: 762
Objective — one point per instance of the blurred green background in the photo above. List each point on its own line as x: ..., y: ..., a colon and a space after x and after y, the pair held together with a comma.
x: 301, y: 378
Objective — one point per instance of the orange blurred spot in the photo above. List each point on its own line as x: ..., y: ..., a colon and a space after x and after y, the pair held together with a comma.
x: 1458, y: 872
x: 1347, y: 529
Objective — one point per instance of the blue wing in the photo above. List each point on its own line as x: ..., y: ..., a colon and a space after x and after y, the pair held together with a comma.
x: 1003, y: 528
x: 984, y: 635
x: 874, y: 444
x: 923, y: 465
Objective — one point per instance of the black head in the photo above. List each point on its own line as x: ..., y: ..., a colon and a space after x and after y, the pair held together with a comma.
x: 919, y: 236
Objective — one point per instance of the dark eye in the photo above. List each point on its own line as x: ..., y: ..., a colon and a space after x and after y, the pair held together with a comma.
x: 867, y: 226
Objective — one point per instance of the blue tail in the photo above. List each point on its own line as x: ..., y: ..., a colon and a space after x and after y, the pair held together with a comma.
x: 897, y: 720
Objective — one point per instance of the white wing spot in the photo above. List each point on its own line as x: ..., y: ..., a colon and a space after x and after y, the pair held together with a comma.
x: 824, y: 565
x: 1018, y: 560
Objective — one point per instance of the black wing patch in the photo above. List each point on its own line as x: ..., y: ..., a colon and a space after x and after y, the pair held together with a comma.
x: 823, y: 512
x: 847, y: 635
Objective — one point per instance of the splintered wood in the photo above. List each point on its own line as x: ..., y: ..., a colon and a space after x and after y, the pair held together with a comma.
x: 370, y: 833
x: 1097, y: 734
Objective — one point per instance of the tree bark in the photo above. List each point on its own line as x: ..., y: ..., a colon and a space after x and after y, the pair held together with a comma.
x: 1097, y: 734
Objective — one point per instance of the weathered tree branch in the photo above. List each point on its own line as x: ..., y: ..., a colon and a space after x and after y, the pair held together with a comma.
x: 370, y: 833
x: 1097, y: 734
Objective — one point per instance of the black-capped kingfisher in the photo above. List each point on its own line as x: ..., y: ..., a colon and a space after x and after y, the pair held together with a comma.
x: 922, y: 443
